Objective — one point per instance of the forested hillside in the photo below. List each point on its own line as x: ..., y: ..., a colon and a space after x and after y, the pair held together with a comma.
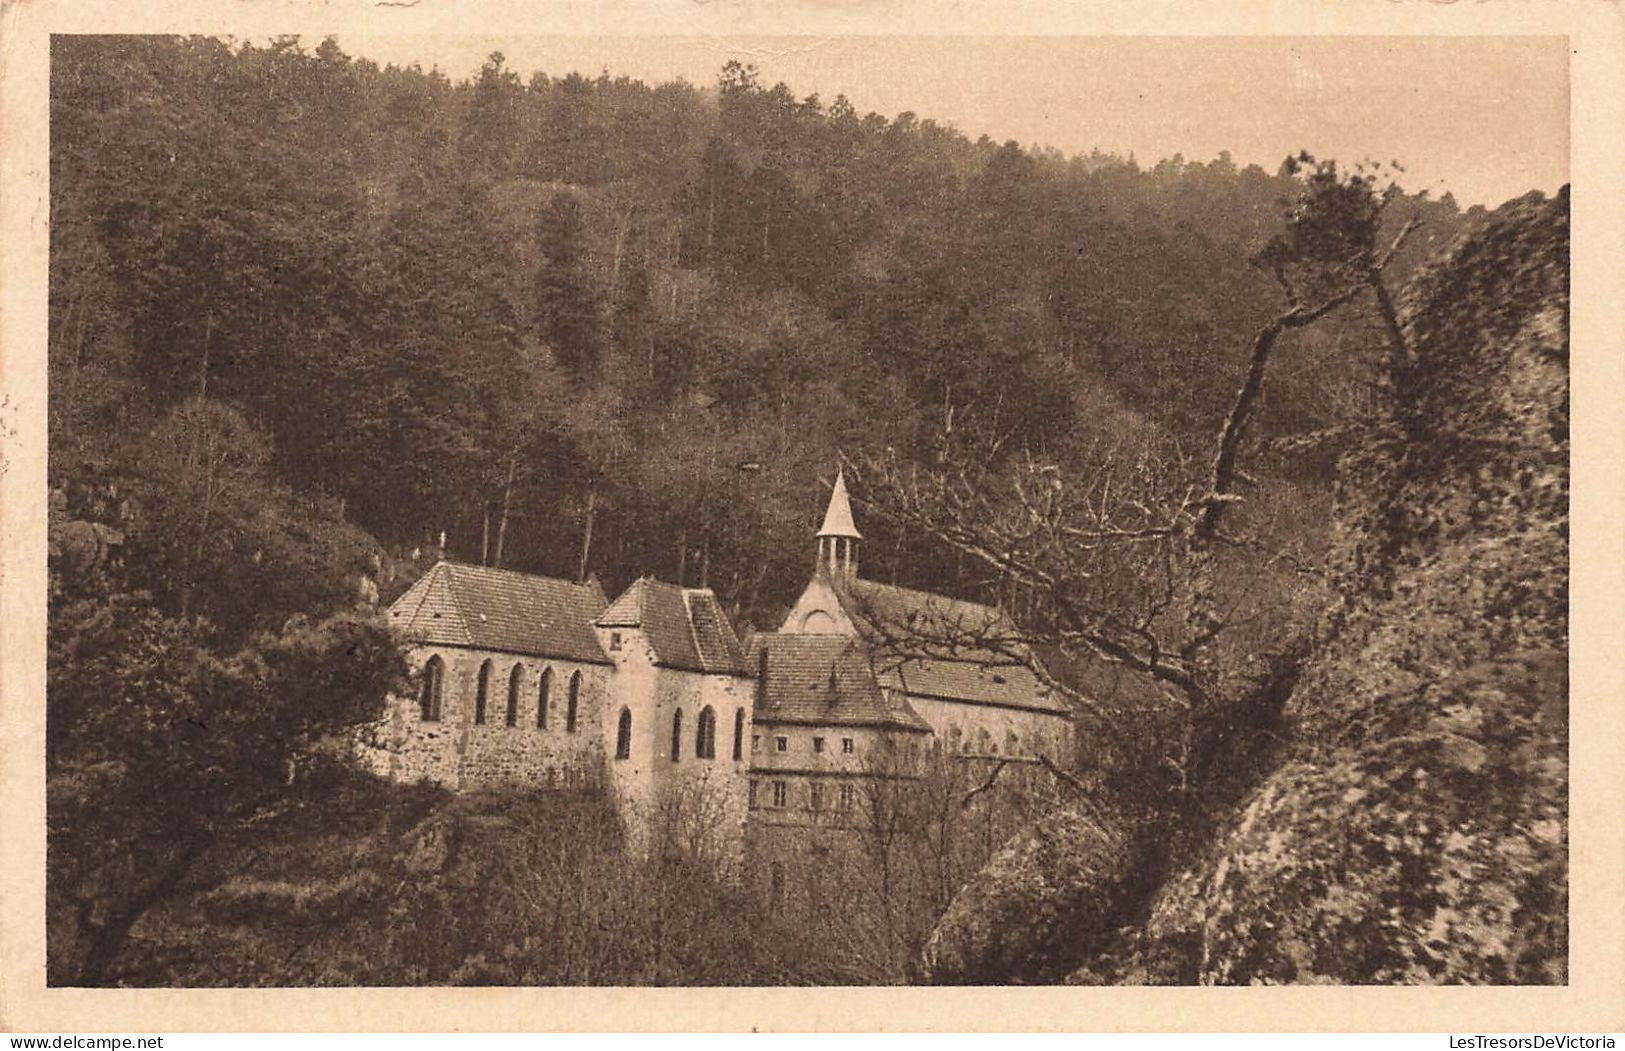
x: 308, y: 314
x: 509, y: 307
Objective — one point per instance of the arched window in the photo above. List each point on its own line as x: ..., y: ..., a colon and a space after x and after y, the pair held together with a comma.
x: 705, y: 735
x: 739, y: 734
x: 544, y: 696
x: 623, y: 735
x: 515, y: 677
x: 676, y: 735
x: 482, y: 691
x: 572, y: 702
x: 434, y: 673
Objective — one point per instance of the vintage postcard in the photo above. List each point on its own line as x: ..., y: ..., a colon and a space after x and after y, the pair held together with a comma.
x: 820, y: 507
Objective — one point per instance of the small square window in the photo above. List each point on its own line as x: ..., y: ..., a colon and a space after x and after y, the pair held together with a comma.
x: 756, y: 742
x: 614, y: 640
x: 818, y: 744
x: 846, y: 746
x: 781, y: 744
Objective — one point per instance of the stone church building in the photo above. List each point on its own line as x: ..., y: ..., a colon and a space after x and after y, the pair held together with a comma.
x: 533, y: 681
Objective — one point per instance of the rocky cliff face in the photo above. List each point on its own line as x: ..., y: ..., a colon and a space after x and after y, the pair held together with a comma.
x: 1022, y: 916
x: 1417, y: 830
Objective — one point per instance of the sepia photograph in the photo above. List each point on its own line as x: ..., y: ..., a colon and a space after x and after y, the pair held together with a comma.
x: 704, y: 510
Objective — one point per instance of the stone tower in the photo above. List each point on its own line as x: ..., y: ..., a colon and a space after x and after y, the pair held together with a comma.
x: 678, y: 716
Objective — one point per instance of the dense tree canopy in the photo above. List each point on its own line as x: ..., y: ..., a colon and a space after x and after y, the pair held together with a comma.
x: 479, y: 307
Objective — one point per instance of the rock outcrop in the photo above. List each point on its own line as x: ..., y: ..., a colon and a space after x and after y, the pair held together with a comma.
x: 1020, y: 917
x: 1417, y: 829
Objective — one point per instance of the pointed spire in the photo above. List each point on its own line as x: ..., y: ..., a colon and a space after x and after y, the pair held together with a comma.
x: 838, y: 519
x: 838, y: 537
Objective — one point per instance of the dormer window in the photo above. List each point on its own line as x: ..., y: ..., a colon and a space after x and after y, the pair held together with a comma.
x: 614, y: 640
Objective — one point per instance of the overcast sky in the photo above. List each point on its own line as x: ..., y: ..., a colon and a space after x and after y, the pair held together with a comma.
x: 1483, y: 117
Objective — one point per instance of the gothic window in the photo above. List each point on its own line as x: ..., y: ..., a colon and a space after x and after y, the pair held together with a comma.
x: 434, y: 673
x: 705, y: 735
x: 482, y: 691
x: 544, y: 697
x: 846, y: 746
x: 739, y: 734
x: 781, y: 793
x: 572, y: 702
x: 753, y: 793
x: 817, y: 796
x: 515, y: 677
x: 623, y: 736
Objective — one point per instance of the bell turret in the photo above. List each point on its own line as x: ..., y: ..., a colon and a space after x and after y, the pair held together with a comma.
x: 838, y: 537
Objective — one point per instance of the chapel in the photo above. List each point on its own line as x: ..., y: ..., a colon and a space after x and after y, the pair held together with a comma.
x: 765, y: 747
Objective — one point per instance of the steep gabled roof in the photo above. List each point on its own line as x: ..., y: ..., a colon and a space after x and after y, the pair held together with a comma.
x: 686, y: 627
x: 886, y: 615
x: 886, y: 612
x: 823, y: 680
x: 454, y: 604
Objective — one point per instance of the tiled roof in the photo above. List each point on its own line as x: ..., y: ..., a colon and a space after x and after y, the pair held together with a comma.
x: 823, y: 679
x: 1005, y: 685
x: 886, y: 610
x: 496, y: 609
x: 686, y: 626
x: 885, y: 613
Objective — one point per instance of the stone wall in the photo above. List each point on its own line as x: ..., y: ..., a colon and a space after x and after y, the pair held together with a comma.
x: 801, y: 766
x: 984, y: 729
x: 458, y: 752
x: 818, y: 612
x: 703, y: 801
x: 693, y: 804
